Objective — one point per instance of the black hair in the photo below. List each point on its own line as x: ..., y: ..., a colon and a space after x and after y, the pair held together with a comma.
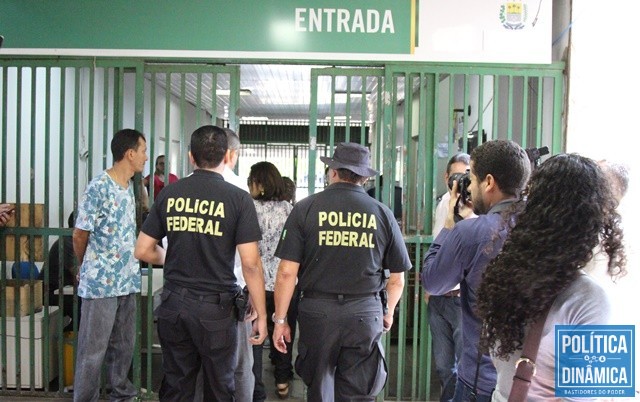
x: 208, y: 146
x: 123, y: 141
x: 350, y: 177
x: 569, y: 210
x: 289, y: 190
x: 506, y: 161
x: 267, y: 175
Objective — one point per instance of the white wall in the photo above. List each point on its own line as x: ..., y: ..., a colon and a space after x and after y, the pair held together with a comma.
x: 603, y: 105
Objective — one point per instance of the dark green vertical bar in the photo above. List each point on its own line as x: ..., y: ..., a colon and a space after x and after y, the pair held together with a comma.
x: 3, y: 300
x: 118, y: 100
x: 183, y: 107
x: 525, y: 106
x: 214, y: 97
x: 167, y: 124
x: 47, y: 183
x: 18, y: 219
x: 32, y: 200
x: 139, y: 125
x: 332, y: 132
x: 313, y: 132
x: 92, y: 104
x: 347, y: 111
x: 198, y: 100
x: 363, y: 109
x: 465, y: 110
x: 539, y: 96
x: 558, y: 142
x: 510, y: 109
x: 496, y: 103
x: 481, y: 109
x: 105, y: 114
x: 452, y: 140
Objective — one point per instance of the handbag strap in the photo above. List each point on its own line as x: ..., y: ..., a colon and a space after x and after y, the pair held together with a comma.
x: 526, y: 364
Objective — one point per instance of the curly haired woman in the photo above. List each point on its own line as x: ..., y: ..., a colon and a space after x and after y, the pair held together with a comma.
x: 569, y: 209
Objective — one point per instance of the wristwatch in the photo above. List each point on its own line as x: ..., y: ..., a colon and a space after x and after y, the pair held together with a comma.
x: 278, y: 320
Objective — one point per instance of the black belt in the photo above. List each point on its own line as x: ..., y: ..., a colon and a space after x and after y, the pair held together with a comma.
x: 313, y: 294
x: 215, y: 298
x: 452, y: 293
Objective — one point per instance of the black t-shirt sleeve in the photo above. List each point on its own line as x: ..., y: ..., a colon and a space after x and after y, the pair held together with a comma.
x: 248, y: 226
x: 153, y: 225
x: 396, y: 257
x: 291, y: 244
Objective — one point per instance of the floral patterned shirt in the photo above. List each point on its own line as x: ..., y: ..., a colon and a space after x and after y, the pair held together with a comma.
x: 271, y: 216
x: 108, y: 211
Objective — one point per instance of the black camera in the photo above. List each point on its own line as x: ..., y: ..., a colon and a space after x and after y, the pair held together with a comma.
x: 464, y: 181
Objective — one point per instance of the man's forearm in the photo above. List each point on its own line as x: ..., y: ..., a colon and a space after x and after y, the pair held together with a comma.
x: 254, y: 278
x: 80, y: 241
x: 285, y: 286
x: 395, y: 286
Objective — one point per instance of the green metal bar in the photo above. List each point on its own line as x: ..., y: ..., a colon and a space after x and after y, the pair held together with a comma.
x: 139, y: 125
x: 183, y: 107
x: 18, y: 218
x: 510, y: 109
x: 198, y: 100
x: 3, y: 259
x: 214, y: 99
x: 347, y: 126
x: 332, y: 129
x: 539, y: 96
x: 105, y: 120
x: 47, y: 183
x: 481, y: 108
x: 92, y: 94
x: 465, y: 110
x: 313, y: 131
x: 558, y: 140
x: 452, y: 139
x: 363, y: 109
x: 525, y: 106
x: 167, y: 127
x: 496, y: 104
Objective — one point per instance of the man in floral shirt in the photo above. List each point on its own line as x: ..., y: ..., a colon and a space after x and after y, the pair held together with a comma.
x: 103, y: 240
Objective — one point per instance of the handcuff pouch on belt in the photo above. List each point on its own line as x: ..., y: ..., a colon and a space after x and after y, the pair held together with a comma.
x: 241, y: 303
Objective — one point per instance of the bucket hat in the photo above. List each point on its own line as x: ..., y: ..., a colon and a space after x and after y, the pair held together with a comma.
x: 353, y: 157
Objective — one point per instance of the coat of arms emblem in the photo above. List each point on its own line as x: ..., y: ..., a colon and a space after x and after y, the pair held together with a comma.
x: 513, y: 14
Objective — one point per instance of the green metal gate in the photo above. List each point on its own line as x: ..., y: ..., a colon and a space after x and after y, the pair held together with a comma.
x: 58, y: 116
x: 419, y: 115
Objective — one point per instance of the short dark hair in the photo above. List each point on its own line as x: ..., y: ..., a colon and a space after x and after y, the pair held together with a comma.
x: 267, y: 174
x: 457, y: 158
x: 158, y: 158
x: 506, y: 161
x: 123, y: 141
x: 289, y: 190
x: 350, y: 177
x: 208, y: 146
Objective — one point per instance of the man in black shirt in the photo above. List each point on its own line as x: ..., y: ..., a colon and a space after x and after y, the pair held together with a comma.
x: 204, y: 219
x: 348, y: 254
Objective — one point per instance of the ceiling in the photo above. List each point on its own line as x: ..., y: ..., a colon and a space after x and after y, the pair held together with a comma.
x: 277, y: 92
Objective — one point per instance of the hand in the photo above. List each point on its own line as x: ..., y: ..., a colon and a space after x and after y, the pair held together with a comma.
x: 251, y: 314
x: 281, y: 333
x: 6, y: 211
x: 426, y: 297
x: 259, y: 331
x: 387, y: 322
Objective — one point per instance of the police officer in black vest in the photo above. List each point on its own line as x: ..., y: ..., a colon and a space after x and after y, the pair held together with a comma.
x: 347, y: 252
x: 204, y: 219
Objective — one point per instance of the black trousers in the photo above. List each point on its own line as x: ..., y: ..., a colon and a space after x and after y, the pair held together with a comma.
x: 197, y: 331
x: 283, y: 367
x: 340, y: 354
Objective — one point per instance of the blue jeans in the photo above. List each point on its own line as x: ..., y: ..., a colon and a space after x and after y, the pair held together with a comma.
x: 107, y: 332
x: 464, y: 393
x: 445, y: 321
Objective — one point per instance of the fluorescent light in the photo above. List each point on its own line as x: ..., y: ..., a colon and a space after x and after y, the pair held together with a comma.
x: 227, y: 92
x: 255, y: 118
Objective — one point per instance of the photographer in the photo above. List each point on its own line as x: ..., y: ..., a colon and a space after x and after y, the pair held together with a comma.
x: 461, y: 252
